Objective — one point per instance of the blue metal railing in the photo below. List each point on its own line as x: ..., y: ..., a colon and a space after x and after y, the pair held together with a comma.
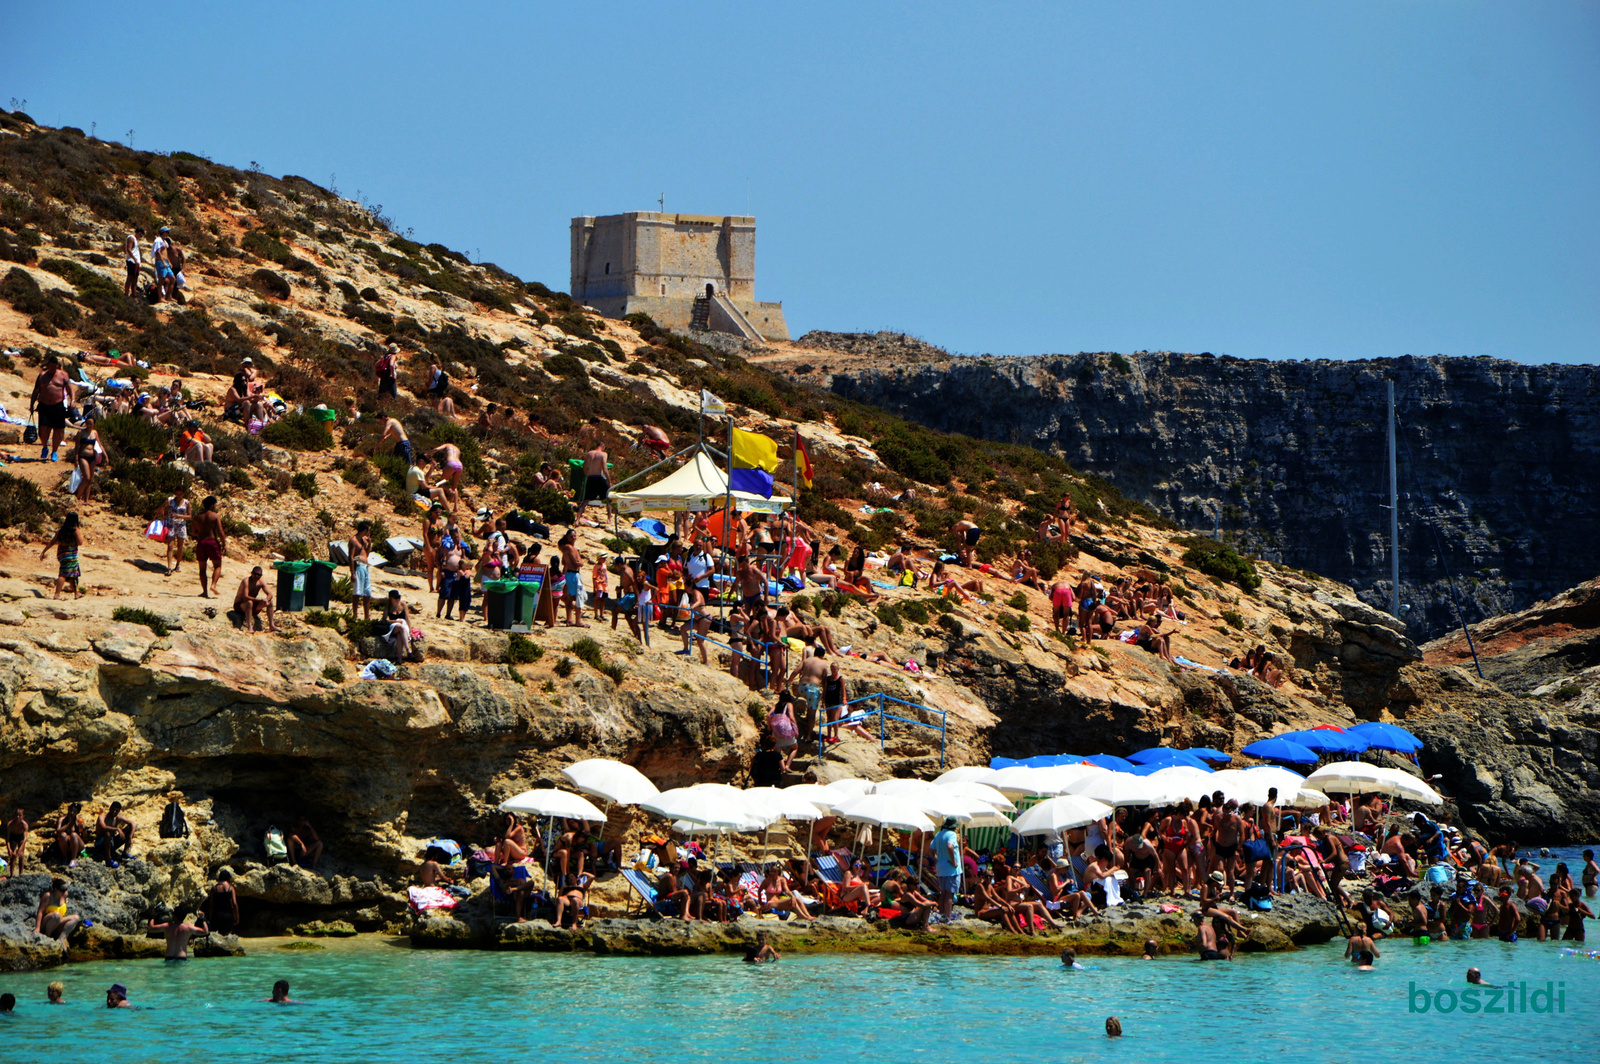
x: 856, y: 716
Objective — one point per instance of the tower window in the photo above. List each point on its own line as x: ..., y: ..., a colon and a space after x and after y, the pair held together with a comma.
x: 608, y: 267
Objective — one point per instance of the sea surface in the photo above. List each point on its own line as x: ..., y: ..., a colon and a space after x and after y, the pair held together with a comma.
x: 375, y: 999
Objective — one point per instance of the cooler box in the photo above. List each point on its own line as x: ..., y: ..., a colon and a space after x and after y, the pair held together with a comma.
x: 292, y: 580
x: 500, y: 603
x: 319, y: 584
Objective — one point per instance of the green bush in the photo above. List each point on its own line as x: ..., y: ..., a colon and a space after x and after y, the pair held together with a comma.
x: 1019, y: 601
x: 889, y: 615
x: 547, y: 502
x: 1013, y: 622
x: 333, y: 673
x: 239, y: 478
x: 520, y: 650
x: 135, y: 615
x: 131, y: 436
x: 614, y: 672
x: 952, y: 625
x: 588, y: 651
x: 1221, y: 561
x: 141, y: 489
x: 324, y: 619
x: 296, y: 550
x: 800, y: 603
x: 297, y: 432
x: 305, y: 484
x: 23, y: 505
x: 1233, y: 618
x: 563, y: 668
x: 914, y: 611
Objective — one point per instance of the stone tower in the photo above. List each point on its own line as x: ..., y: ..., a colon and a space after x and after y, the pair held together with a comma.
x: 684, y: 270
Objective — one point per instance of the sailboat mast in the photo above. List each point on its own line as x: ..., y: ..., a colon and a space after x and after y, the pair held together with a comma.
x: 1394, y: 518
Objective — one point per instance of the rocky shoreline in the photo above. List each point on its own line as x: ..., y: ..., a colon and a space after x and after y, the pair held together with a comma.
x: 1295, y: 921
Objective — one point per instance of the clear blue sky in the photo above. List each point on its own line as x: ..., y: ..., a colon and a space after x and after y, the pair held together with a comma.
x: 1272, y: 180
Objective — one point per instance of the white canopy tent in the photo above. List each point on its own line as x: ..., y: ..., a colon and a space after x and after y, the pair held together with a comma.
x: 696, y: 485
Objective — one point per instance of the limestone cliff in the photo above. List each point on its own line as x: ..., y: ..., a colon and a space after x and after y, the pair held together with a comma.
x: 1291, y: 455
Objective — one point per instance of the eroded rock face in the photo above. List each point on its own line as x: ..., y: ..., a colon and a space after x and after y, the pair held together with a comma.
x: 1502, y: 454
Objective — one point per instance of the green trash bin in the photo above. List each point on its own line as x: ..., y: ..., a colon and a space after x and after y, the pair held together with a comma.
x: 500, y: 603
x: 527, y: 603
x: 319, y: 584
x: 292, y: 580
x: 576, y: 481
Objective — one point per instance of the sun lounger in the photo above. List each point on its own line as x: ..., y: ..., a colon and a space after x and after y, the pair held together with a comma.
x: 828, y: 869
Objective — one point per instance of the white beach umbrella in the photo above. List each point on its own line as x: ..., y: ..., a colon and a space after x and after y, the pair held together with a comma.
x: 850, y: 787
x: 547, y: 801
x: 818, y: 795
x: 1240, y: 785
x: 1286, y: 780
x: 612, y: 780
x: 1177, y: 782
x: 687, y: 827
x: 1405, y: 785
x: 886, y: 810
x: 900, y: 786
x: 982, y: 792
x: 965, y: 774
x: 706, y: 806
x: 1022, y: 781
x: 787, y: 804
x: 1358, y: 777
x: 1118, y: 788
x: 1306, y: 798
x: 994, y: 818
x: 1055, y: 815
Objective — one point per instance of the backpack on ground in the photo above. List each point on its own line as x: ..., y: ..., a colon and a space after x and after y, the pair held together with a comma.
x: 174, y: 825
x: 273, y: 844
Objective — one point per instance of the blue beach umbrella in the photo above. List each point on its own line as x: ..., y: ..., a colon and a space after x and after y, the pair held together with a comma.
x: 1281, y: 750
x: 1166, y: 755
x: 1380, y: 736
x: 1110, y: 761
x: 1323, y: 741
x: 1206, y: 753
x: 1149, y: 770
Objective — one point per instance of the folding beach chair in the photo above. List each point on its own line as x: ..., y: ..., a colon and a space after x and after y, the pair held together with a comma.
x: 1035, y: 879
x: 647, y: 893
x: 497, y: 892
x: 828, y: 869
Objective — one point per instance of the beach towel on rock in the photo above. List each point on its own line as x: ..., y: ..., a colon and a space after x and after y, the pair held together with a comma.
x: 425, y: 898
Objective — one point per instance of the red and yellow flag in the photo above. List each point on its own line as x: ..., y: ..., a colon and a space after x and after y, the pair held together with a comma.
x: 802, y: 459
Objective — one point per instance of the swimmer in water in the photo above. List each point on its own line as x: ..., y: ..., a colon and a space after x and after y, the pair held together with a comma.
x: 1475, y: 977
x: 280, y: 994
x: 761, y: 952
x: 117, y: 997
x: 1113, y: 1027
x: 177, y: 932
x: 1150, y: 948
x: 1362, y: 950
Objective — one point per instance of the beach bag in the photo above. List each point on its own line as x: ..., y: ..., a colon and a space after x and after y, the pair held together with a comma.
x: 76, y: 481
x: 273, y: 844
x: 157, y: 531
x: 782, y: 726
x: 30, y: 434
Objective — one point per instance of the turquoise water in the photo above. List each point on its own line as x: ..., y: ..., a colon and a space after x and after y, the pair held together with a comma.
x: 377, y: 1002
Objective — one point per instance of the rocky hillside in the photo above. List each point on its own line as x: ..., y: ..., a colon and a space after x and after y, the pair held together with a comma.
x: 1289, y: 457
x: 101, y: 703
x: 1539, y: 696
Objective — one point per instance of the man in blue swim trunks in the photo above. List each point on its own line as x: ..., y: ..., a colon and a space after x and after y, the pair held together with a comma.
x: 572, y: 563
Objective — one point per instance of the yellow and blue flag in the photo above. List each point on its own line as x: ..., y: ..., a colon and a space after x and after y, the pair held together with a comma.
x: 755, y: 458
